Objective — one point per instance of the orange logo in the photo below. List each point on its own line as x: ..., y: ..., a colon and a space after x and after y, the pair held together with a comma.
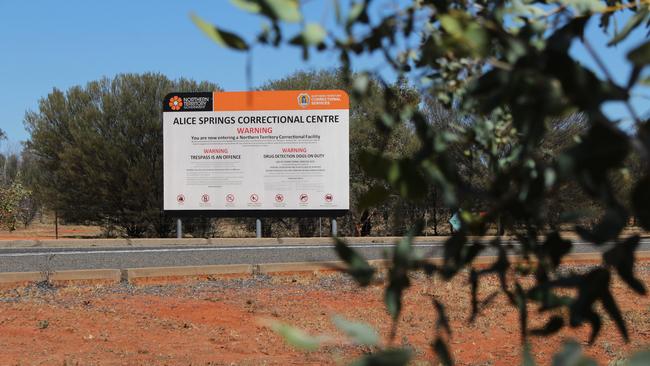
x: 175, y: 103
x: 303, y: 100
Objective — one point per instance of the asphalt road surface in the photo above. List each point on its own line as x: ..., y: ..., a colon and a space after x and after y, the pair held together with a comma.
x: 53, y: 259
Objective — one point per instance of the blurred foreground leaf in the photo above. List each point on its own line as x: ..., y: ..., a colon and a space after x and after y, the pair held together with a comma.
x: 221, y: 37
x: 359, y: 333
x: 441, y: 350
x: 621, y: 257
x: 571, y: 355
x: 640, y: 359
x: 388, y: 357
x: 297, y: 337
x: 357, y: 266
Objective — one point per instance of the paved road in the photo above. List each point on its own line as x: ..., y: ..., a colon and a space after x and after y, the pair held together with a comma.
x: 18, y: 260
x: 52, y: 259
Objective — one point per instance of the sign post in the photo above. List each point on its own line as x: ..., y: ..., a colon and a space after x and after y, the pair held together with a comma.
x: 258, y: 228
x: 256, y: 154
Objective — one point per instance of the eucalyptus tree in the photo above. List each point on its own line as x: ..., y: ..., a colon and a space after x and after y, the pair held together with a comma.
x: 98, y: 151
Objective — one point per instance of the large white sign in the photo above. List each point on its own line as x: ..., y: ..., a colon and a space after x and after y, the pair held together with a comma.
x: 256, y: 151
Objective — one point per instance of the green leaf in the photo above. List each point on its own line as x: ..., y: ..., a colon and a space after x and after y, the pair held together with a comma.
x: 387, y: 357
x: 359, y: 333
x: 375, y: 195
x: 374, y: 164
x: 527, y: 358
x: 403, y: 175
x: 523, y: 310
x: 297, y: 337
x: 251, y: 6
x: 357, y: 13
x: 551, y: 327
x: 393, y: 298
x: 441, y: 350
x: 556, y: 248
x: 603, y: 148
x: 611, y: 224
x: 358, y: 267
x: 561, y: 40
x: 640, y: 359
x: 404, y: 250
x: 361, y: 83
x: 451, y: 25
x: 571, y: 355
x: 313, y: 34
x: 594, y: 286
x: 285, y: 10
x: 454, y: 255
x: 398, y: 278
x: 612, y: 309
x: 443, y: 321
x: 631, y: 24
x: 621, y: 256
x: 640, y: 56
x: 467, y: 36
x: 584, y: 7
x: 221, y: 37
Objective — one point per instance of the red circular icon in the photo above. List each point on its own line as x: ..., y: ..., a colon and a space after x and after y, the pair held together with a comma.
x: 205, y: 197
x: 254, y: 197
x: 230, y: 198
x: 329, y: 197
x: 180, y: 199
x: 279, y: 197
x: 304, y: 197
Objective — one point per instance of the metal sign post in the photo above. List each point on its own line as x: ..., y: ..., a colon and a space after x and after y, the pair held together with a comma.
x: 179, y: 229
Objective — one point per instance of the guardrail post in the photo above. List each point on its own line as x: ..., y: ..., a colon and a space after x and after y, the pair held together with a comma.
x: 334, y: 228
x: 258, y: 228
x: 179, y: 229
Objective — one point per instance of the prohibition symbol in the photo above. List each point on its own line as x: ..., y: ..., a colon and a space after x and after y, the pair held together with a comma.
x: 279, y: 197
x: 304, y: 197
x: 180, y: 199
x: 230, y: 198
x: 329, y: 197
x: 254, y: 197
x: 205, y: 197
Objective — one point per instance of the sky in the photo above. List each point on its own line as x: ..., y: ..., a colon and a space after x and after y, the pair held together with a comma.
x: 59, y: 44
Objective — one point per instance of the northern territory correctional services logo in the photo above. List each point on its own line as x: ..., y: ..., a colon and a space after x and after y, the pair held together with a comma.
x: 303, y: 100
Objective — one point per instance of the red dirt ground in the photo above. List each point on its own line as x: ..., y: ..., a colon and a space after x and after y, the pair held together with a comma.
x: 219, y: 322
x: 39, y: 231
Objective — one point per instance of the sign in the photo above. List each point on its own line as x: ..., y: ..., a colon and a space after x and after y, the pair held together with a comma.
x: 256, y: 153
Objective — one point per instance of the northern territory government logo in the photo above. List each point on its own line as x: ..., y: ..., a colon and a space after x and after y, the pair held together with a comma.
x: 303, y: 100
x: 188, y: 102
x: 175, y: 103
